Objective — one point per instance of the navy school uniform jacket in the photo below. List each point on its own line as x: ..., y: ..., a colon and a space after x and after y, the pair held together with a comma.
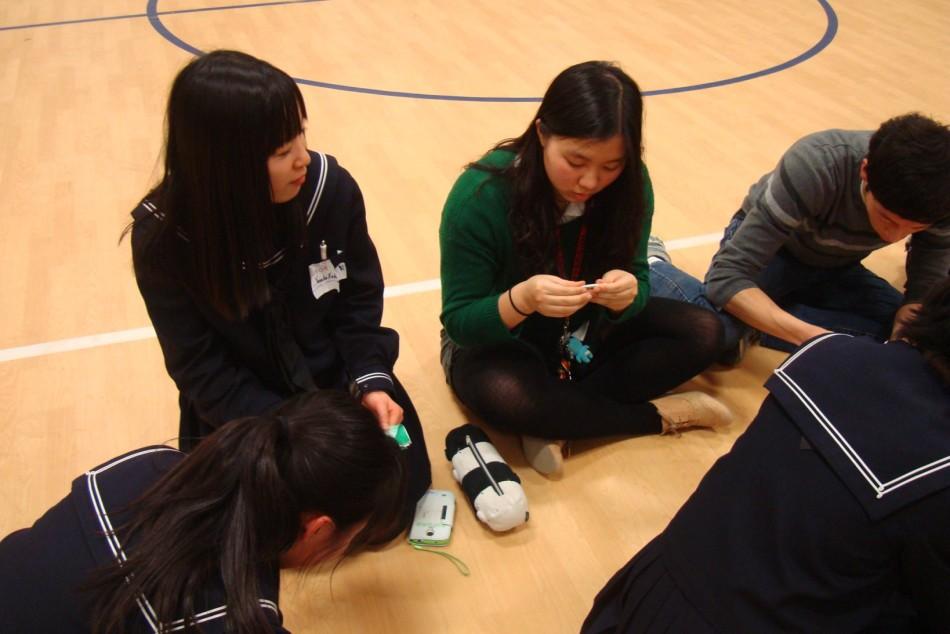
x: 43, y: 567
x: 321, y: 330
x: 833, y: 509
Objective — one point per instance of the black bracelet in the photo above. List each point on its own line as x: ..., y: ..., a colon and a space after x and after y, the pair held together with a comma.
x: 517, y: 310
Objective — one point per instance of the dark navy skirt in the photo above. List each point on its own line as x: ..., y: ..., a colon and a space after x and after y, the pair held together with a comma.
x: 642, y: 597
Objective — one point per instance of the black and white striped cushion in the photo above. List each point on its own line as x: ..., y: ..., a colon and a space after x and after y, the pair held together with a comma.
x: 488, y: 482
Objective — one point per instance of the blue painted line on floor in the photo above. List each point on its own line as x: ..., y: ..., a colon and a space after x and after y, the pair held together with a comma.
x: 831, y: 29
x: 134, y: 16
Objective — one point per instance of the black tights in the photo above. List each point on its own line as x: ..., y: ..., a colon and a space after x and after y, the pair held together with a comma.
x: 509, y: 386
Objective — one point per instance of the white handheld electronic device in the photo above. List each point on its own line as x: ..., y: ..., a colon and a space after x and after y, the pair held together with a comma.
x: 435, y: 514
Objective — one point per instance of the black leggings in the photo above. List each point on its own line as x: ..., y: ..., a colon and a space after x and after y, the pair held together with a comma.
x: 510, y: 387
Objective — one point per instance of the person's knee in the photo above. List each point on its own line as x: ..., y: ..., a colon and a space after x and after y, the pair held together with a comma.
x: 494, y: 390
x: 703, y: 333
x: 505, y: 389
x: 672, y: 283
x: 709, y: 335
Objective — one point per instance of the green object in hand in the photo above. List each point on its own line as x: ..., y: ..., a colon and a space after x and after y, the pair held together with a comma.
x: 399, y: 434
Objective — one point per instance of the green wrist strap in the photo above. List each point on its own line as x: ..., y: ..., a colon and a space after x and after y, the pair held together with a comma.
x: 455, y: 560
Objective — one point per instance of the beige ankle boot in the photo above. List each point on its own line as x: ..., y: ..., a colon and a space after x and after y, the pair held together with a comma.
x: 691, y: 409
x: 544, y: 455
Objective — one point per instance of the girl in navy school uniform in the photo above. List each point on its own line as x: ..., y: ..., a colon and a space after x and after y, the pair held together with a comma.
x: 157, y: 540
x: 831, y: 513
x: 253, y: 258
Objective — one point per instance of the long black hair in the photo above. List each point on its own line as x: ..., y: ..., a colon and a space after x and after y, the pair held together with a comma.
x: 592, y: 100
x: 234, y: 505
x: 227, y: 113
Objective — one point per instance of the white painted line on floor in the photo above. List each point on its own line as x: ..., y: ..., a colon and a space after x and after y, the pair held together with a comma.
x: 695, y: 241
x: 412, y: 288
x: 76, y: 343
x: 137, y: 334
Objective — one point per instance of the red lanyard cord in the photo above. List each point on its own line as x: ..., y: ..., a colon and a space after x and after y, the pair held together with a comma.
x: 578, y: 252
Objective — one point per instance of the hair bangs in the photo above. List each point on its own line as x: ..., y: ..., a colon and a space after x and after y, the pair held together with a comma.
x: 591, y: 100
x: 285, y: 116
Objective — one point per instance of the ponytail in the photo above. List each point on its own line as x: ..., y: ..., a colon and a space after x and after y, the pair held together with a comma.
x: 229, y: 509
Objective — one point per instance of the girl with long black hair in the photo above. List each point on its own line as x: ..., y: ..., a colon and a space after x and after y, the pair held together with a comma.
x: 158, y: 541
x: 253, y: 258
x: 549, y: 328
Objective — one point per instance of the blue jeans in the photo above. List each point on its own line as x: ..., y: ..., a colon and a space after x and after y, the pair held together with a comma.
x: 849, y: 299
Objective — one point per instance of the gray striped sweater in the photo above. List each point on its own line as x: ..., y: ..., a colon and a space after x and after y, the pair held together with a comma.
x: 811, y: 205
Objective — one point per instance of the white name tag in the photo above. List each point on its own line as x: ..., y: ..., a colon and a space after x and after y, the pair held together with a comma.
x: 323, y: 278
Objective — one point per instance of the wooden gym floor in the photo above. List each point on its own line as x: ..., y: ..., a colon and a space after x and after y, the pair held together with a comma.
x: 404, y: 93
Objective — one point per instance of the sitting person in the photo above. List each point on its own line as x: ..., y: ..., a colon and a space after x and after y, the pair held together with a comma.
x: 830, y: 514
x: 789, y: 264
x: 157, y: 540
x: 253, y: 258
x: 549, y: 327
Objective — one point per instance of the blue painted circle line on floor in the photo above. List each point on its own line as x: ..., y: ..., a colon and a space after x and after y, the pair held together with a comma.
x: 831, y: 28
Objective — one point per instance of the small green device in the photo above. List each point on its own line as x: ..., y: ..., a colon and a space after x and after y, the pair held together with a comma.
x: 435, y: 515
x: 399, y: 434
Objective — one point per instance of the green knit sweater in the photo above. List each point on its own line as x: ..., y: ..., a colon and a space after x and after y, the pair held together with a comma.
x: 479, y: 263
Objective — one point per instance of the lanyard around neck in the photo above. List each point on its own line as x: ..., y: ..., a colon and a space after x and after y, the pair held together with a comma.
x: 578, y: 252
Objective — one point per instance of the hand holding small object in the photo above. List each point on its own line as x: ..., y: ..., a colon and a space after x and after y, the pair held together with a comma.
x: 552, y: 296
x: 615, y: 290
x: 384, y: 408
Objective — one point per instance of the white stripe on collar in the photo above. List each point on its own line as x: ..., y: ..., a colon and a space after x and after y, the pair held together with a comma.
x: 880, y: 488
x: 311, y: 209
x: 108, y: 531
x: 216, y: 613
x: 112, y: 539
x: 321, y: 183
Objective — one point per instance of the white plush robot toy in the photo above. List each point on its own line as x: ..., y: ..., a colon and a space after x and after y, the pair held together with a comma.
x: 489, y: 483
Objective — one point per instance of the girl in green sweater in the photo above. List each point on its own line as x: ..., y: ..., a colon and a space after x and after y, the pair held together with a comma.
x: 549, y: 328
